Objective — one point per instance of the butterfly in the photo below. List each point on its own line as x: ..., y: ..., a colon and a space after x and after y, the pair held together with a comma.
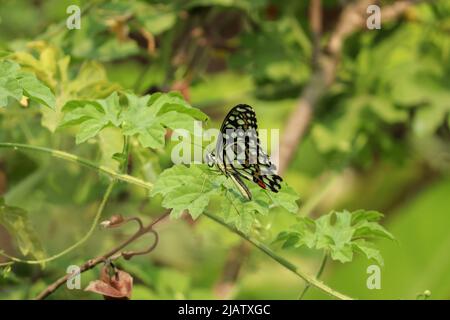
x: 238, y: 153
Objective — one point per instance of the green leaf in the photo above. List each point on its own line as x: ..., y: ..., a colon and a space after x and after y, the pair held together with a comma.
x: 193, y: 188
x: 8, y: 68
x: 335, y: 237
x: 148, y: 116
x: 14, y: 83
x: 291, y: 241
x: 372, y: 229
x: 141, y: 120
x: 145, y: 117
x: 173, y: 101
x: 365, y: 215
x: 186, y: 188
x: 175, y: 120
x: 240, y: 212
x: 339, y: 233
x: 16, y: 221
x: 369, y: 249
x: 36, y: 90
x: 305, y: 229
x: 286, y: 198
x: 9, y: 87
x: 92, y: 116
x: 366, y: 224
x: 90, y: 82
x: 302, y: 234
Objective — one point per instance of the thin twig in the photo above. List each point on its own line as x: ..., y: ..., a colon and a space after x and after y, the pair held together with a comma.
x: 79, y: 242
x: 111, y: 255
x: 127, y: 255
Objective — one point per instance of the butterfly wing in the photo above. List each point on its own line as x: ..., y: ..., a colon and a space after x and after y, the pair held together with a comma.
x: 241, y: 118
x: 238, y: 149
x: 242, y: 187
x: 263, y: 173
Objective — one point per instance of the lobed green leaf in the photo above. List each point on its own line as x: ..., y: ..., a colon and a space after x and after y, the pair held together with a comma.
x: 192, y: 188
x: 14, y: 83
x: 339, y: 233
x: 145, y: 117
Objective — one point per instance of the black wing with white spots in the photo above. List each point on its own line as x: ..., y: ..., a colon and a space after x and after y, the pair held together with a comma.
x: 238, y: 148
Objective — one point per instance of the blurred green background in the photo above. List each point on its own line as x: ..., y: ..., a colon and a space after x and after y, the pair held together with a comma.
x: 379, y: 139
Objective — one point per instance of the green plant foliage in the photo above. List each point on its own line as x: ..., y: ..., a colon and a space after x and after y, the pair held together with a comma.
x: 349, y: 232
x: 16, y: 221
x: 92, y: 116
x: 52, y: 67
x: 146, y: 117
x: 418, y: 260
x: 281, y: 69
x: 191, y: 189
x: 15, y: 83
x: 186, y: 188
x: 397, y: 80
x: 378, y: 138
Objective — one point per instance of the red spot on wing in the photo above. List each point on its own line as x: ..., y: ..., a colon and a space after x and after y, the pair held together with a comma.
x: 262, y: 184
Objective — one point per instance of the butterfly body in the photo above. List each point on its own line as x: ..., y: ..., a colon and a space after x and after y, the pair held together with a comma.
x: 238, y: 153
x: 234, y: 176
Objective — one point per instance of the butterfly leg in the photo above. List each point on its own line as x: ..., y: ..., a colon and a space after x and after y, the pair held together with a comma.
x: 231, y: 200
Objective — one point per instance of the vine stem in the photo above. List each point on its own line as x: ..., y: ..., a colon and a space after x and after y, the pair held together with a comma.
x: 319, y: 273
x: 97, y: 217
x: 132, y: 180
x: 78, y: 243
x: 75, y: 159
x: 285, y: 263
x: 113, y: 254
